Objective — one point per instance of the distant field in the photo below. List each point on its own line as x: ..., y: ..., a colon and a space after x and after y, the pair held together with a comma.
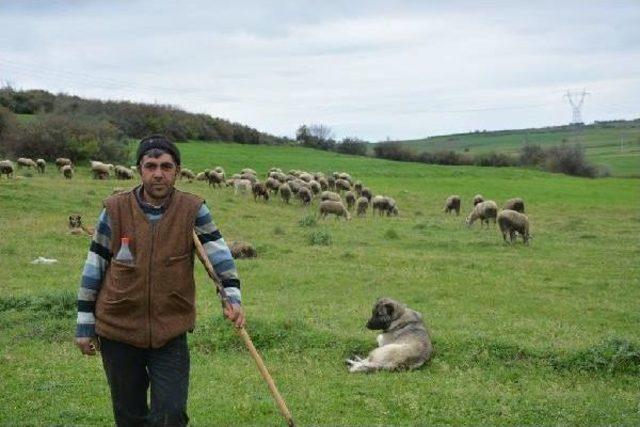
x: 544, y: 334
x: 616, y: 147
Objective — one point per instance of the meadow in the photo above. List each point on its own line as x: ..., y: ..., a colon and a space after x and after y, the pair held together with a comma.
x: 614, y: 146
x: 542, y: 334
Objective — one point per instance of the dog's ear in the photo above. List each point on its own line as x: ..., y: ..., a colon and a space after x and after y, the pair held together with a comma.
x: 389, y: 308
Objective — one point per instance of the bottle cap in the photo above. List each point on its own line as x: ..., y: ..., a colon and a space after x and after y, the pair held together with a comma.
x: 124, y: 240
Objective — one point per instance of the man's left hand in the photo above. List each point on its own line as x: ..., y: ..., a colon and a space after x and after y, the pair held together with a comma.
x: 235, y: 314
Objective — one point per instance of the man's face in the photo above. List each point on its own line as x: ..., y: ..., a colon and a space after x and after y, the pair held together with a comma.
x: 158, y: 175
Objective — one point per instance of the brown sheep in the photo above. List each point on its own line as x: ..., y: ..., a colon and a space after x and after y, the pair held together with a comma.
x: 512, y: 222
x: 484, y: 211
x: 452, y: 204
x: 215, y: 179
x: 285, y: 193
x: 259, y: 190
x: 350, y: 198
x: 305, y: 195
x: 343, y: 185
x: 330, y: 195
x: 335, y: 208
x: 187, y: 173
x: 272, y: 184
x: 67, y: 171
x: 362, y: 204
x: 477, y: 199
x: 515, y: 204
x: 367, y: 193
x: 61, y: 161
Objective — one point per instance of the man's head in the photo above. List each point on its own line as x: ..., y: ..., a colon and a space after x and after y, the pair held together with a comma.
x: 159, y: 166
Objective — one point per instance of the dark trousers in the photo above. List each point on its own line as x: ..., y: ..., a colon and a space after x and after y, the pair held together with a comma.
x: 130, y: 370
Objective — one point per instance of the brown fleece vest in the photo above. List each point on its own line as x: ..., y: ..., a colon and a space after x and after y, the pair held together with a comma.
x: 153, y: 301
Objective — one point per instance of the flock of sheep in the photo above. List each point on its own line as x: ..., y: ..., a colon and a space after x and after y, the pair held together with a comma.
x: 339, y: 194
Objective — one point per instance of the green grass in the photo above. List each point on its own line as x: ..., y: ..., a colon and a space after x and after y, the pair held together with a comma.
x: 602, y: 142
x: 544, y: 334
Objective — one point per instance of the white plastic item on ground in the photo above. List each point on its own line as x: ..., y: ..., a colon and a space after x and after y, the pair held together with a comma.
x: 43, y: 260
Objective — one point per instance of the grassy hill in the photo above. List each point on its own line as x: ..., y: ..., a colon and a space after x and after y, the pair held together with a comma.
x: 602, y: 142
x: 544, y: 334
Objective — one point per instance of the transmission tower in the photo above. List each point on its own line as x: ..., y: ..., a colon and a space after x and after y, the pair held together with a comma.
x: 576, y: 99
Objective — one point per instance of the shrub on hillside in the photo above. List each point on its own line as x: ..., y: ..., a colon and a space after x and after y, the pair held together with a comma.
x: 352, y: 146
x: 75, y: 137
x: 8, y: 128
x: 531, y: 155
x: 394, y: 151
x: 494, y: 159
x: 570, y: 160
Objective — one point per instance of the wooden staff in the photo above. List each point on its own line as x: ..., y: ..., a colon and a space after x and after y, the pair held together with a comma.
x: 202, y: 254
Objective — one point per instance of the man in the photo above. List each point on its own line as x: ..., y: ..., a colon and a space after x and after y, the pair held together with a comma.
x: 137, y: 313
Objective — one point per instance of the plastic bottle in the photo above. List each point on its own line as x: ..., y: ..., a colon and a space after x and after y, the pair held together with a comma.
x: 124, y: 254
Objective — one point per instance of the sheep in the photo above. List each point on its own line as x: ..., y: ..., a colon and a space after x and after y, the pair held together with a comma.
x: 41, y: 165
x: 123, y: 172
x: 23, y: 161
x: 367, y: 193
x: 202, y: 176
x: 515, y: 204
x: 215, y: 178
x: 187, y: 173
x: 485, y: 211
x: 362, y: 204
x: 99, y: 169
x: 250, y: 176
x: 249, y: 171
x: 358, y: 188
x: 259, y: 190
x: 384, y: 204
x: 512, y: 222
x: 305, y: 195
x: 452, y: 204
x: 330, y: 195
x: 67, y: 171
x: 285, y: 193
x: 332, y: 207
x: 61, y: 161
x: 241, y: 185
x: 342, y: 185
x: 331, y: 183
x: 219, y: 169
x: 315, y: 186
x: 272, y: 184
x: 477, y: 199
x: 346, y: 177
x: 242, y: 250
x: 350, y: 197
x: 307, y: 177
x: 76, y: 226
x: 7, y: 168
x: 324, y: 184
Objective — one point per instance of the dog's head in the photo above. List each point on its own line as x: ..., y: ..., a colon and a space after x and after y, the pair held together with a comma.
x: 75, y: 221
x: 384, y: 312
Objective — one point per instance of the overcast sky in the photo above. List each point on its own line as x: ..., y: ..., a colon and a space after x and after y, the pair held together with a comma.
x: 368, y: 69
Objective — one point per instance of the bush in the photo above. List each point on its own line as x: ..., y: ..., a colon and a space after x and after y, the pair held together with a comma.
x: 531, y: 155
x: 394, y: 151
x: 353, y: 146
x: 320, y: 238
x: 494, y: 159
x: 570, y: 160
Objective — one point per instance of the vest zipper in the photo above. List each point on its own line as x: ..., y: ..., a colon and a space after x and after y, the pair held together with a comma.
x: 153, y: 238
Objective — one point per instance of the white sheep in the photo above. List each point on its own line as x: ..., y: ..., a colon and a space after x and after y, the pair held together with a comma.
x: 26, y: 162
x: 41, y: 165
x: 7, y: 168
x: 478, y: 198
x: 515, y: 204
x: 452, y: 204
x: 362, y: 204
x: 484, y: 211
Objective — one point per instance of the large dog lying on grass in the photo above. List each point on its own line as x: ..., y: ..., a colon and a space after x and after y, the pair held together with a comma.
x: 403, y: 344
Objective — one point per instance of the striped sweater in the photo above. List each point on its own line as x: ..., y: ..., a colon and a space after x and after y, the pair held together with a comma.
x: 99, y: 256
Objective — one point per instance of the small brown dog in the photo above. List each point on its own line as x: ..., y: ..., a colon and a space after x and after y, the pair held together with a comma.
x: 76, y: 226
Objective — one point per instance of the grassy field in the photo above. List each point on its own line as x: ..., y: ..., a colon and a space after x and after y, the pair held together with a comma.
x: 544, y: 334
x: 616, y: 146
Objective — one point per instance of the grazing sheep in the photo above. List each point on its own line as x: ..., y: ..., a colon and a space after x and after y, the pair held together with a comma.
x: 285, y: 193
x: 342, y: 185
x: 452, y: 204
x: 330, y: 195
x: 477, y: 199
x: 358, y: 188
x: 485, y: 211
x: 512, y: 222
x: 241, y: 185
x: 250, y: 176
x: 28, y: 163
x: 202, y: 176
x: 384, y: 204
x: 515, y: 204
x: 67, y: 171
x: 249, y: 171
x: 324, y: 184
x: 7, y: 168
x: 76, y: 226
x: 187, y: 173
x: 315, y: 186
x: 123, y: 172
x: 99, y: 170
x: 331, y: 183
x: 259, y: 190
x: 346, y: 177
x: 350, y: 197
x: 367, y: 193
x: 272, y: 184
x: 241, y: 250
x: 362, y: 204
x: 41, y: 165
x: 305, y: 195
x: 215, y: 179
x: 61, y: 161
x: 305, y: 176
x: 336, y: 208
x: 220, y: 170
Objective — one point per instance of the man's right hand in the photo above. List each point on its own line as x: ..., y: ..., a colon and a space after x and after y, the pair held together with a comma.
x: 87, y: 345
